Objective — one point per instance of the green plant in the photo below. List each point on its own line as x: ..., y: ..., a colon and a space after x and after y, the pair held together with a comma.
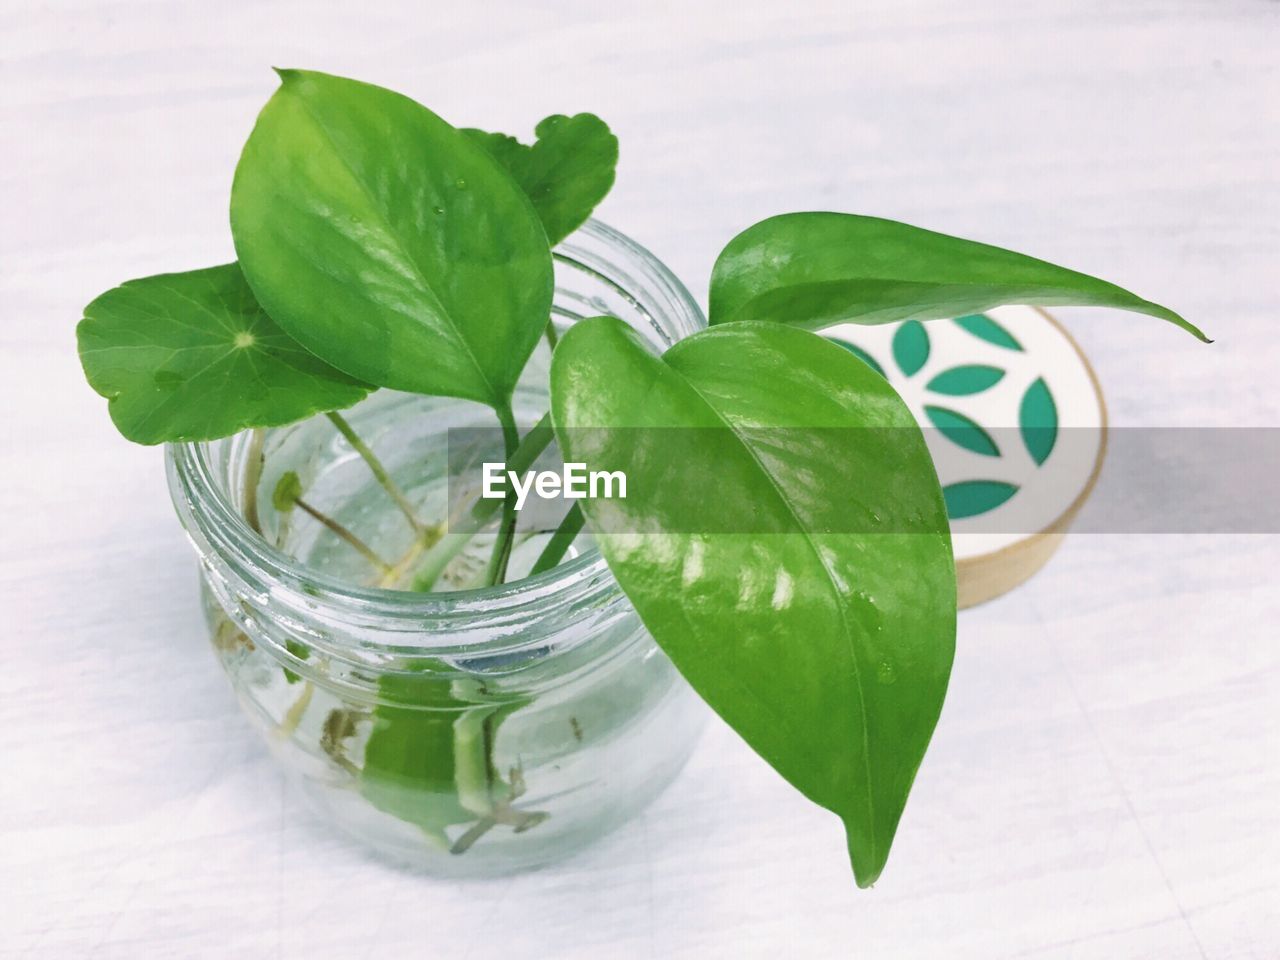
x: 380, y: 247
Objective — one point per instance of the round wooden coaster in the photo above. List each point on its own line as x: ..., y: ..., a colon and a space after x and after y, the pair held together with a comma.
x: 1015, y: 420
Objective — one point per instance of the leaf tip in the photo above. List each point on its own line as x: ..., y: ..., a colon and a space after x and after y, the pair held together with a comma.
x: 1194, y: 330
x: 1177, y: 319
x: 867, y: 856
x: 866, y: 871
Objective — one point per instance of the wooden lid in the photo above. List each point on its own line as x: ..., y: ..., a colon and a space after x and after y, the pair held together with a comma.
x: 1015, y: 420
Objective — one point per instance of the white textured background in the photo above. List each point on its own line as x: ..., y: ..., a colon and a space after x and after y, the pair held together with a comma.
x: 1105, y: 781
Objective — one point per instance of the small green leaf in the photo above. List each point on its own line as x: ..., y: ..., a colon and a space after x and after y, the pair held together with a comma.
x: 567, y: 171
x: 961, y: 430
x: 966, y: 380
x: 813, y: 270
x: 911, y: 347
x: 192, y: 356
x: 299, y: 651
x: 286, y: 493
x: 861, y: 354
x: 972, y: 497
x: 984, y: 328
x: 1038, y: 421
x: 387, y: 242
x: 828, y: 652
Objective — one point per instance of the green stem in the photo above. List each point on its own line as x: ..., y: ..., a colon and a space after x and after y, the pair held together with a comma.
x: 501, y: 556
x: 462, y: 528
x: 552, y: 338
x: 376, y: 467
x: 252, y: 477
x: 566, y: 533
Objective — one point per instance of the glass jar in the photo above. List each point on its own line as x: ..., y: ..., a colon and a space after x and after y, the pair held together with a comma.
x: 476, y: 731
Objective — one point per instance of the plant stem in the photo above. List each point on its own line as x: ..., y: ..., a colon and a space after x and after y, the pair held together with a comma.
x: 506, y: 532
x: 359, y: 545
x: 552, y: 338
x: 252, y: 477
x: 376, y: 467
x: 565, y: 534
x: 427, y: 537
x: 465, y: 526
x: 293, y: 716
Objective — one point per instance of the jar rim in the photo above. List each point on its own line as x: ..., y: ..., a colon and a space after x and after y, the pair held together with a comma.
x: 207, y: 513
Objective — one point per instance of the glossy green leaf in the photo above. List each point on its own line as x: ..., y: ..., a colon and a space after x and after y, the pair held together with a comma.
x: 566, y: 172
x: 966, y: 380
x: 827, y: 651
x: 387, y: 242
x: 192, y: 356
x: 816, y: 269
x: 962, y: 430
x: 861, y: 354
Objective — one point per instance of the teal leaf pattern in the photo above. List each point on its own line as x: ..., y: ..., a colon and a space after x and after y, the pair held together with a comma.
x: 969, y: 498
x: 966, y: 380
x: 984, y: 328
x: 862, y: 355
x: 963, y: 431
x: 911, y: 347
x: 1038, y: 421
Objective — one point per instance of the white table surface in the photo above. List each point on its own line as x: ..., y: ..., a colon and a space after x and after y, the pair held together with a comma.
x: 1105, y: 779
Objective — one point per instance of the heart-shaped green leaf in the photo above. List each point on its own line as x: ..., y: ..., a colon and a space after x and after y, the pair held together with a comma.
x: 566, y: 172
x: 192, y: 356
x: 816, y: 269
x: 827, y: 651
x: 387, y: 242
x: 861, y: 354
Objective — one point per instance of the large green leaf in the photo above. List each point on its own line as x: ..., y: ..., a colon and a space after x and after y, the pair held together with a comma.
x: 429, y: 753
x: 387, y: 242
x: 816, y: 269
x: 828, y: 651
x: 566, y: 172
x: 192, y: 356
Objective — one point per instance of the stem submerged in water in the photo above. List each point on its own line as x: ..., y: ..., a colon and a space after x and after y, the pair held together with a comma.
x: 253, y: 476
x: 506, y: 533
x: 344, y: 534
x: 376, y: 467
x: 465, y: 526
x: 566, y: 533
